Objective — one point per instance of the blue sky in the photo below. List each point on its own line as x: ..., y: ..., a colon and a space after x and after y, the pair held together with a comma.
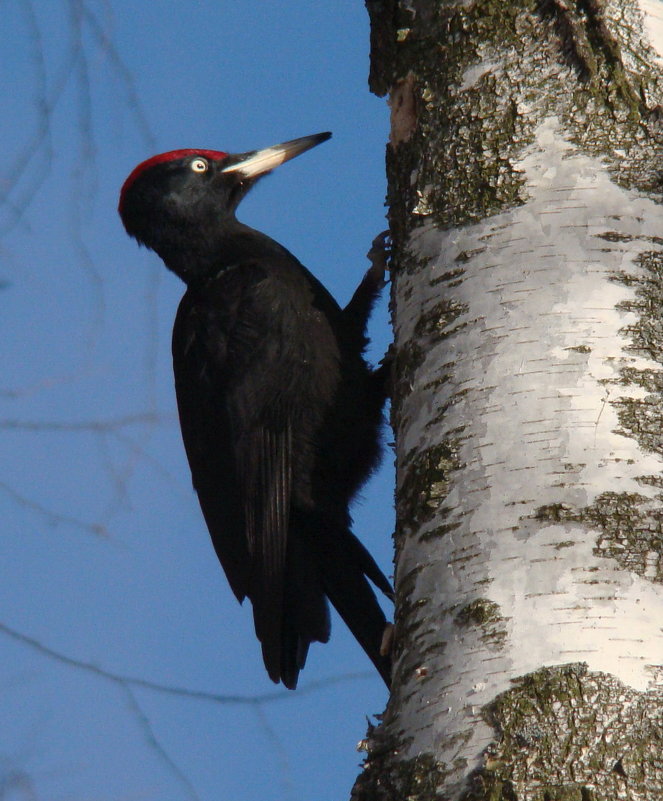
x: 107, y: 570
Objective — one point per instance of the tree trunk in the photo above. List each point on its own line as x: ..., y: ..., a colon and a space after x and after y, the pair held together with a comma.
x: 525, y: 171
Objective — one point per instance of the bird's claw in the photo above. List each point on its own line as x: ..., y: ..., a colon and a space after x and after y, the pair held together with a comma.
x: 387, y: 644
x: 378, y: 256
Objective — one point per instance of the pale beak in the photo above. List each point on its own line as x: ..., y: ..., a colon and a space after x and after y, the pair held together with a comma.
x: 258, y: 162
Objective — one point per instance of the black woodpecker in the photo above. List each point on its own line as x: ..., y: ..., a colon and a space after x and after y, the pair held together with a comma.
x: 280, y: 414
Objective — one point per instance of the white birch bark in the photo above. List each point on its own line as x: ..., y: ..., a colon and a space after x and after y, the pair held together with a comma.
x: 528, y: 411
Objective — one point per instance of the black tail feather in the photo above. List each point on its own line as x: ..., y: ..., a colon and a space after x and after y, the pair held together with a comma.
x: 326, y: 561
x: 346, y: 564
x: 305, y: 613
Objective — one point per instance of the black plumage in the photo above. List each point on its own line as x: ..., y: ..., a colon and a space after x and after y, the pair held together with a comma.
x: 280, y: 414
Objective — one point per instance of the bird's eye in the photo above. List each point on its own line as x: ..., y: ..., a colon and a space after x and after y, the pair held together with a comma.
x: 199, y: 165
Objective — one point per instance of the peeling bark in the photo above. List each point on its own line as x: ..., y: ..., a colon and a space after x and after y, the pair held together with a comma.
x: 525, y: 174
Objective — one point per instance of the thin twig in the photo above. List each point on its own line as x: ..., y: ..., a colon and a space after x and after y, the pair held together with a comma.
x: 182, y: 692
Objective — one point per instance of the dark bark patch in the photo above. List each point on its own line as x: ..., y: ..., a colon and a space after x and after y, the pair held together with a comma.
x: 429, y: 469
x: 414, y: 779
x: 630, y: 528
x: 580, y: 349
x: 573, y: 44
x: 631, y: 532
x: 589, y: 47
x: 560, y: 732
x: 487, y: 617
x: 436, y: 323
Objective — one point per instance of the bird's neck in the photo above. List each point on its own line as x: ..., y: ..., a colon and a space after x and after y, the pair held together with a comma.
x: 235, y: 244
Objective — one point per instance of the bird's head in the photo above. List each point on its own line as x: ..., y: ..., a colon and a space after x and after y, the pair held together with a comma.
x: 184, y: 201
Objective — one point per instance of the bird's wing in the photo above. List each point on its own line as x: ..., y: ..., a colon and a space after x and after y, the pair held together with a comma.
x: 264, y: 468
x: 206, y: 431
x: 238, y: 439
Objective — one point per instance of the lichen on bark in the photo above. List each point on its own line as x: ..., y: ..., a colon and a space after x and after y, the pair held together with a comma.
x: 413, y: 780
x: 465, y: 169
x: 567, y: 734
x: 487, y: 616
x: 629, y: 525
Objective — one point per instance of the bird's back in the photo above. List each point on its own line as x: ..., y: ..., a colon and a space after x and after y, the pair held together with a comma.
x: 280, y: 430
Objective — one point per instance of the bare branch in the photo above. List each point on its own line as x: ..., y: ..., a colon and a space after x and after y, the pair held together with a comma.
x: 158, y: 748
x: 54, y: 518
x: 181, y: 692
x: 94, y: 426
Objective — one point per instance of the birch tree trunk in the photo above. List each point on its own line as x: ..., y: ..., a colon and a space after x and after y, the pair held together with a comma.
x: 525, y: 173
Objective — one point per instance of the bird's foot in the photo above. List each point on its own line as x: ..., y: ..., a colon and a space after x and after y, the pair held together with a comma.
x: 378, y: 256
x: 387, y: 643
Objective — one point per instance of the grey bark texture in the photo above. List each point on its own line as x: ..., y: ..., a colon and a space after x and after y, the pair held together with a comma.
x: 525, y: 170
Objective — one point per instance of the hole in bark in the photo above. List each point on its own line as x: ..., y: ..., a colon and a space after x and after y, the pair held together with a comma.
x: 508, y: 793
x: 618, y: 768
